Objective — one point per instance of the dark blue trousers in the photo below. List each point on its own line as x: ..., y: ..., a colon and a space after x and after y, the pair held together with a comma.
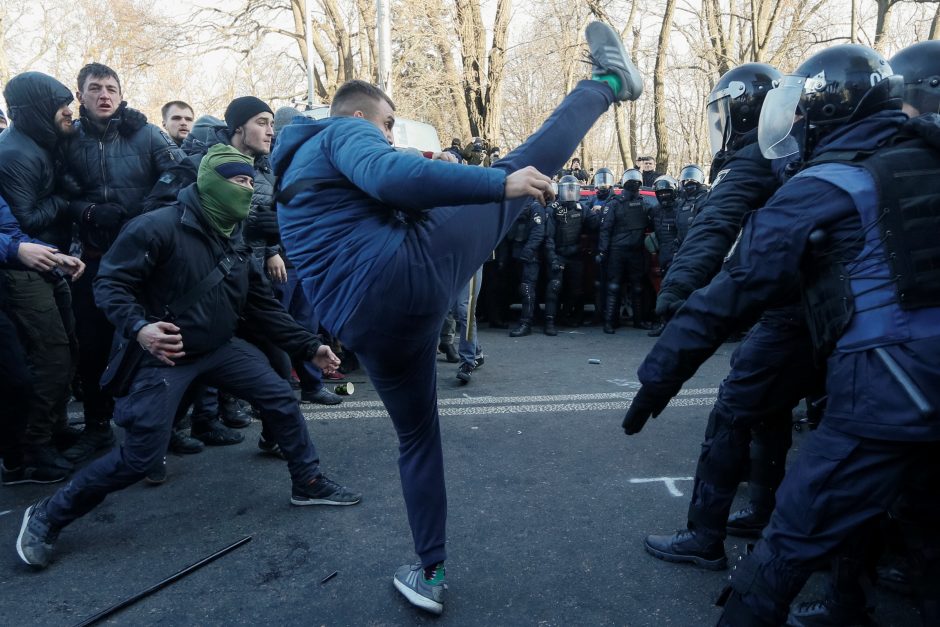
x: 16, y: 390
x: 838, y: 483
x: 146, y: 415
x: 395, y: 329
x: 291, y: 295
x: 771, y: 371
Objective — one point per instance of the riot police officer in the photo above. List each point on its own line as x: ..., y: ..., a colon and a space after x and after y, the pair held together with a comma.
x: 562, y: 253
x: 837, y: 232
x: 626, y: 219
x: 593, y: 216
x: 692, y: 182
x: 666, y: 189
x: 527, y: 236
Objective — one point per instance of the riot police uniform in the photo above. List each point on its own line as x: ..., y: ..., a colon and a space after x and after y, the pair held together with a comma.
x: 626, y: 219
x: 691, y: 198
x: 562, y: 249
x: 853, y: 243
x: 593, y: 208
x: 527, y: 236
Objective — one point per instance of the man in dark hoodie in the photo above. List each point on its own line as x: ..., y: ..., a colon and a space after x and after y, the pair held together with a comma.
x: 383, y: 240
x: 112, y: 162
x: 39, y: 303
x: 157, y: 261
x: 848, y: 231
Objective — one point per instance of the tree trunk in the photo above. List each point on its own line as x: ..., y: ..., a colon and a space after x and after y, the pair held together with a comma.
x: 881, y: 25
x: 659, y: 91
x: 493, y: 102
x: 935, y: 25
x: 470, y: 33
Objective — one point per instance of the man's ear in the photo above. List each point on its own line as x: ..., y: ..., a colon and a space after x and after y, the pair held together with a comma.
x: 78, y: 96
x: 358, y: 114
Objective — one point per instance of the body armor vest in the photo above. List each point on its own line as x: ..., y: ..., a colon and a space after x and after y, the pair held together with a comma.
x: 568, y: 224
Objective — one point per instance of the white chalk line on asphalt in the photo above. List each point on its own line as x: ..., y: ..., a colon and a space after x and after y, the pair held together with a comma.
x: 6, y: 512
x: 670, y: 483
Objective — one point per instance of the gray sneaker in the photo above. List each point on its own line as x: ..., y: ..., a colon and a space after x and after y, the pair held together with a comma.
x: 609, y: 57
x: 37, y: 536
x: 428, y: 595
x: 323, y: 491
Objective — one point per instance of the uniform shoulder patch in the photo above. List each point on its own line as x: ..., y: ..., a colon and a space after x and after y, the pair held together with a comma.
x: 537, y: 218
x: 720, y: 176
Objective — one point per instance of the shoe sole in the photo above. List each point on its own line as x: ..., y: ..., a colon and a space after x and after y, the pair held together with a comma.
x: 304, y: 502
x: 719, y: 564
x: 465, y: 378
x: 604, y: 41
x: 19, y: 538
x: 418, y: 600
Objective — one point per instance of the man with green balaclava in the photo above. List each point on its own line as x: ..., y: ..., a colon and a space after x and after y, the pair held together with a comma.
x: 156, y: 261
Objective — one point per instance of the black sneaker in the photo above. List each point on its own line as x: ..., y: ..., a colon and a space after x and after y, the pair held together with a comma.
x: 214, y: 433
x: 322, y: 397
x: 25, y: 473
x: 465, y: 372
x: 92, y: 441
x: 428, y: 594
x: 450, y: 352
x: 609, y: 57
x: 323, y: 491
x: 182, y: 444
x: 270, y: 447
x: 37, y: 536
x: 747, y: 523
x: 233, y: 412
x: 686, y: 546
x: 478, y: 362
x: 524, y: 329
x: 47, y: 456
x: 157, y: 474
x: 827, y: 613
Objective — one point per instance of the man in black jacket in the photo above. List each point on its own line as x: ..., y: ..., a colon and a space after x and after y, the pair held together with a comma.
x: 111, y: 163
x: 39, y: 303
x: 157, y: 260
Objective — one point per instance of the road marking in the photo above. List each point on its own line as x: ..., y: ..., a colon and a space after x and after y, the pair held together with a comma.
x: 487, y: 405
x: 6, y: 512
x: 669, y: 481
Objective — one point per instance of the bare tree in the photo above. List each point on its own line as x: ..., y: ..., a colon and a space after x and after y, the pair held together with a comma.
x: 659, y: 89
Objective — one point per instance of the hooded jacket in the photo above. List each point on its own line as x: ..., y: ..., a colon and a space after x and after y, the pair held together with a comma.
x: 27, y: 166
x: 343, y: 228
x: 160, y: 256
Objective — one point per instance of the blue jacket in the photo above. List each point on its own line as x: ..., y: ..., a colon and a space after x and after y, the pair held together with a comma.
x: 343, y: 231
x: 10, y: 239
x: 763, y: 270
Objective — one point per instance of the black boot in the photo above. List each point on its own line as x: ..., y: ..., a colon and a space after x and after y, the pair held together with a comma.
x: 550, y: 326
x: 845, y: 603
x: 687, y: 546
x: 450, y: 352
x: 611, y: 306
x: 233, y: 414
x: 747, y: 522
x: 96, y: 438
x: 524, y: 328
x: 657, y: 330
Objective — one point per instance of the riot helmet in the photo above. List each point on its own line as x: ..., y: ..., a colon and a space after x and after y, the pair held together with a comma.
x: 569, y: 189
x: 734, y: 103
x: 837, y: 86
x: 603, y: 179
x: 919, y: 64
x: 666, y: 188
x: 632, y: 180
x: 691, y: 178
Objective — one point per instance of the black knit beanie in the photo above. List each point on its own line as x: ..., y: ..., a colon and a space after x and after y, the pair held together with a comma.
x: 243, y: 109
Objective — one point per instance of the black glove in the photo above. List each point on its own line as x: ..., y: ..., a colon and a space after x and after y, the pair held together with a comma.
x: 106, y: 215
x: 262, y: 224
x: 644, y: 405
x: 557, y: 267
x: 599, y: 258
x: 667, y: 304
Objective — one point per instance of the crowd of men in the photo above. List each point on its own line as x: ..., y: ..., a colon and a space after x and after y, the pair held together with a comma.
x: 182, y: 268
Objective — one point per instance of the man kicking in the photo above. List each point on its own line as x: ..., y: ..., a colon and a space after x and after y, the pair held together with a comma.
x: 383, y: 240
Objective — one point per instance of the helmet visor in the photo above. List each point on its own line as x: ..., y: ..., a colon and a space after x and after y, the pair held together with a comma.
x: 603, y: 179
x: 569, y: 192
x: 774, y: 130
x: 719, y: 115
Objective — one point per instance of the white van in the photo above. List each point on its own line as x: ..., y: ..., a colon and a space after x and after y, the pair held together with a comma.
x: 408, y: 133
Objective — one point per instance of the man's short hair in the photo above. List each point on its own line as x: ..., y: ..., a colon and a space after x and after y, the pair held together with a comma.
x: 357, y: 95
x: 96, y: 70
x: 642, y: 159
x: 175, y: 103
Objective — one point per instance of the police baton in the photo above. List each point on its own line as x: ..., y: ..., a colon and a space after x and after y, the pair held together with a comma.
x: 924, y: 408
x: 171, y: 579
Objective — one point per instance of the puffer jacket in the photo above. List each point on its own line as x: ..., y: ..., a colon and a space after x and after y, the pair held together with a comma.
x: 27, y: 160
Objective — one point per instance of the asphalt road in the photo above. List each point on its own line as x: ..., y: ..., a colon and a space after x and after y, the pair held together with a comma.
x: 548, y: 506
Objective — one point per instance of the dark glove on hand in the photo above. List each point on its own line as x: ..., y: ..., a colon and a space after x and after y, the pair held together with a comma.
x: 557, y: 267
x: 262, y: 224
x: 644, y: 405
x: 599, y: 258
x: 667, y: 304
x: 106, y: 215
